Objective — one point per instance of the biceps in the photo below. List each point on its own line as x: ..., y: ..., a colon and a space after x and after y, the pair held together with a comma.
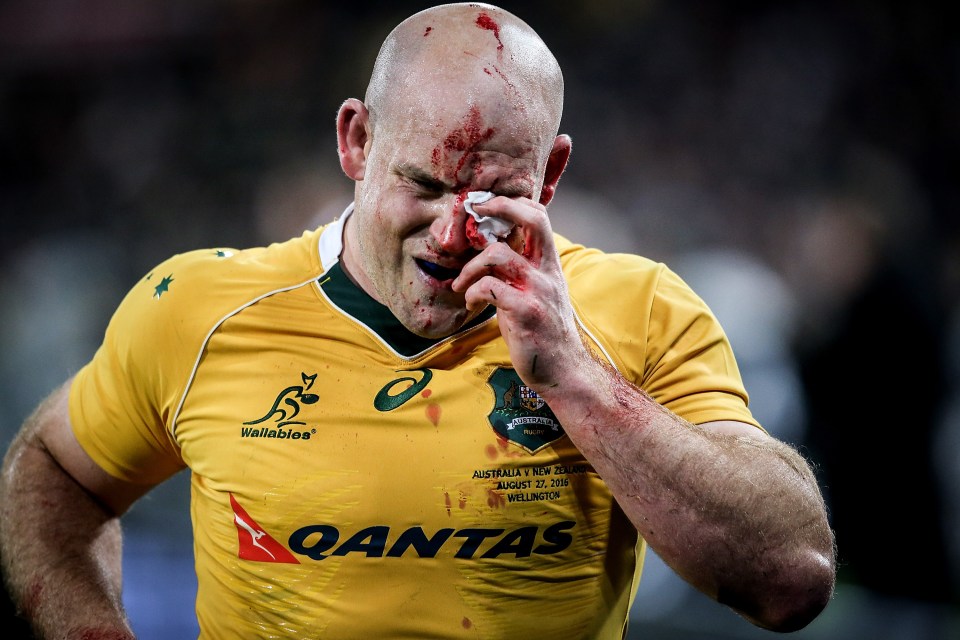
x: 51, y: 430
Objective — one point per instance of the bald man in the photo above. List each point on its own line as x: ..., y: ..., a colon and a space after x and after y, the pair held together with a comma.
x: 431, y: 417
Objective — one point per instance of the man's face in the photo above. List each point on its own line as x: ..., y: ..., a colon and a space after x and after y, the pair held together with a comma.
x: 406, y: 236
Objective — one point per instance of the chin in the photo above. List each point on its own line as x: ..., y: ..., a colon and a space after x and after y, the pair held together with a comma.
x: 437, y: 326
x: 432, y: 330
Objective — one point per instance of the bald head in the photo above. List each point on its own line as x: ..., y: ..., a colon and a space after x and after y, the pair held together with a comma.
x: 463, y: 97
x: 457, y: 56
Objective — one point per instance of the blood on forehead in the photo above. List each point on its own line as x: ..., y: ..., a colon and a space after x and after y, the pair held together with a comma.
x: 460, y: 143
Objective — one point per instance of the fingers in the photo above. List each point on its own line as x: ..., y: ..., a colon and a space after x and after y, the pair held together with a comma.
x: 501, y: 277
x: 531, y: 221
x: 493, y: 291
x: 499, y: 273
x: 498, y: 261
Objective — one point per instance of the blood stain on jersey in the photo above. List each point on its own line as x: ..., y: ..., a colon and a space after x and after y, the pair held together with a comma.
x: 495, y: 499
x: 433, y: 413
x: 501, y: 449
x: 448, y: 501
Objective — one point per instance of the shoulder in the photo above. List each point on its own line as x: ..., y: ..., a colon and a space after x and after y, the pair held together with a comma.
x: 184, y: 297
x: 217, y: 279
x: 657, y: 332
x: 578, y: 260
x: 601, y: 278
x: 624, y: 301
x: 220, y: 272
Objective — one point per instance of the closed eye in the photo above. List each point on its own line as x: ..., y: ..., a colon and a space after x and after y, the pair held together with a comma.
x: 427, y: 188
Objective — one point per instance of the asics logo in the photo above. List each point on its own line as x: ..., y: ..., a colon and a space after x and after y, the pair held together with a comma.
x: 385, y: 401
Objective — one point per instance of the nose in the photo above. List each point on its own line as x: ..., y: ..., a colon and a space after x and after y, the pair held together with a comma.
x: 449, y: 229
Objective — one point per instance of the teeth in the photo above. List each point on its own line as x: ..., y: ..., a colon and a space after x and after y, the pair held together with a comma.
x: 438, y: 272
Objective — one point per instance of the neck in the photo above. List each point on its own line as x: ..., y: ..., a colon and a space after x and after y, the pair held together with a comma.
x: 351, y: 264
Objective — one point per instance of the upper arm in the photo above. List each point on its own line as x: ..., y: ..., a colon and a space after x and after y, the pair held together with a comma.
x: 50, y: 429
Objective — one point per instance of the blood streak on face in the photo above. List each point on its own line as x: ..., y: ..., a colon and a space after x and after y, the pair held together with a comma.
x: 462, y: 140
x: 477, y: 241
x: 461, y: 197
x: 484, y: 21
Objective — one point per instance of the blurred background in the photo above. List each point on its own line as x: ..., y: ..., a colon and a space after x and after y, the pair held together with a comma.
x: 794, y: 161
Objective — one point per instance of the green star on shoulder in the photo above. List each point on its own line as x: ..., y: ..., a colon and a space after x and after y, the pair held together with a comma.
x: 223, y: 253
x: 163, y: 287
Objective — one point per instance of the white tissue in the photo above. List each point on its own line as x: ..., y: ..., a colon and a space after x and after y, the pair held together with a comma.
x: 491, y: 228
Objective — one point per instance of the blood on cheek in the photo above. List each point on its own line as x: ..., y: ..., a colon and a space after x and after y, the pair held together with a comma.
x: 461, y: 198
x: 477, y: 241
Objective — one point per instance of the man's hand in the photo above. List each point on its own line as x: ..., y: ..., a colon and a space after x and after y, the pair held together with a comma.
x: 533, y: 306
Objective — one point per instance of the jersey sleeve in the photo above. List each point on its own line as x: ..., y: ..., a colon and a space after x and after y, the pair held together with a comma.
x: 658, y: 333
x: 689, y: 366
x: 123, y: 402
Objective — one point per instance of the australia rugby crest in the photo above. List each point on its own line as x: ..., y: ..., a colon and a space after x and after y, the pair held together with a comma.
x: 519, y: 414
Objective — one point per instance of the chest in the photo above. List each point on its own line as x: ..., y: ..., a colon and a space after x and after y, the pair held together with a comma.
x: 323, y: 440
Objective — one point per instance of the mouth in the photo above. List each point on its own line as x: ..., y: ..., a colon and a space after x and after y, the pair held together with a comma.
x: 436, y: 271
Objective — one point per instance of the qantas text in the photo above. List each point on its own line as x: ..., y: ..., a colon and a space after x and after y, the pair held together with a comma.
x: 321, y: 541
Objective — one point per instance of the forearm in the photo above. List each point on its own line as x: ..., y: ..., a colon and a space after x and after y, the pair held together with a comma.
x: 61, y: 549
x: 740, y: 518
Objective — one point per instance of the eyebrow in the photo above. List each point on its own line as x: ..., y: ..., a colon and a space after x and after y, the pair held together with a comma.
x: 419, y: 175
x: 511, y: 189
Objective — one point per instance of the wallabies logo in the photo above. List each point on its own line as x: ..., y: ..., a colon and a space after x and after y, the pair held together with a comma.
x: 519, y: 414
x: 283, y: 413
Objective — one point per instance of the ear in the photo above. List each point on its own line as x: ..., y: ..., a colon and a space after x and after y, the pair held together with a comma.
x: 556, y: 163
x: 353, y: 135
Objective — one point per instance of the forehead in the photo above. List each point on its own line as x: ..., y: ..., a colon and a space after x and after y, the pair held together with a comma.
x: 456, y: 147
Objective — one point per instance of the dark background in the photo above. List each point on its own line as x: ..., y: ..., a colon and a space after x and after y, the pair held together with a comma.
x: 795, y: 161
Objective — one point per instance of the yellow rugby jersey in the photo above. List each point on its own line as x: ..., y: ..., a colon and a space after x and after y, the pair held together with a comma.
x: 353, y: 480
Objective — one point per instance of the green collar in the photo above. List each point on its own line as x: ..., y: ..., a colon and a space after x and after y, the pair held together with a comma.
x: 355, y: 302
